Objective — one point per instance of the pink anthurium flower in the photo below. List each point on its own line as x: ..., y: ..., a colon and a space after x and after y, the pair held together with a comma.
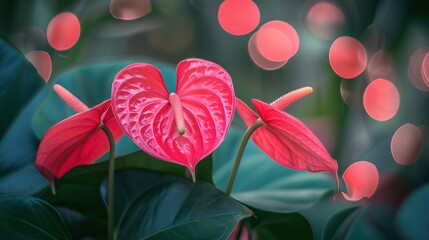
x: 181, y: 127
x: 76, y: 140
x: 285, y: 138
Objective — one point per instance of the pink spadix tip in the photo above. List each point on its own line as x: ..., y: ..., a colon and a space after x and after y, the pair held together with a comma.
x: 178, y: 113
x: 71, y: 100
x: 289, y: 98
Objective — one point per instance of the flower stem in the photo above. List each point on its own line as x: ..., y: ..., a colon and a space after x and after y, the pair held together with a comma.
x: 240, y: 152
x: 111, y: 183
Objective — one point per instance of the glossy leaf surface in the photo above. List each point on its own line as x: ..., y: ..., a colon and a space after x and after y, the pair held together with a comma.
x: 75, y: 141
x: 140, y: 102
x: 287, y: 140
x: 30, y: 218
x: 16, y: 73
x: 263, y: 183
x: 174, y: 208
x: 18, y: 174
x: 79, y: 189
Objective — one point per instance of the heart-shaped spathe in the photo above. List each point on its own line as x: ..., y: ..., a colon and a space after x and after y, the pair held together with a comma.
x: 182, y: 127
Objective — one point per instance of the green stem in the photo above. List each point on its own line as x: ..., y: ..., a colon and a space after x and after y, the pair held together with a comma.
x: 111, y: 183
x: 240, y: 152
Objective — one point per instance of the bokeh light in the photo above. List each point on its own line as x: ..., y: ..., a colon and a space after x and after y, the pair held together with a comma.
x: 260, y: 60
x: 361, y: 180
x: 42, y: 62
x: 347, y: 57
x: 63, y: 31
x: 325, y: 19
x: 381, y: 99
x: 288, y: 30
x: 415, y: 69
x: 238, y: 17
x: 406, y: 144
x: 273, y: 44
x: 130, y: 9
x: 425, y: 69
x: 381, y: 65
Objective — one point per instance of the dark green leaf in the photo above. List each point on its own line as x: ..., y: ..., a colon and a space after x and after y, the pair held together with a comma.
x: 130, y: 183
x: 78, y: 190
x: 19, y: 81
x: 18, y: 174
x: 413, y: 217
x: 364, y: 226
x: 204, y: 170
x: 30, y: 218
x: 92, y: 85
x: 176, y: 209
x: 320, y: 213
x: 274, y: 226
x: 143, y: 160
x: 339, y: 224
x: 82, y: 226
x: 263, y: 183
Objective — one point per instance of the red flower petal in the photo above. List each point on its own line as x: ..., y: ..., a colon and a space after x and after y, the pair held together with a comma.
x: 246, y: 113
x: 141, y: 104
x: 361, y: 179
x: 288, y: 141
x: 75, y: 141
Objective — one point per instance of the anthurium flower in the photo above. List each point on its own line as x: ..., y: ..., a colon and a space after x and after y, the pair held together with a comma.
x: 76, y: 140
x: 285, y: 138
x: 180, y: 127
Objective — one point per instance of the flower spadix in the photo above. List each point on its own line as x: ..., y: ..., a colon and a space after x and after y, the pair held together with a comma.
x: 285, y: 138
x: 76, y: 140
x: 181, y: 127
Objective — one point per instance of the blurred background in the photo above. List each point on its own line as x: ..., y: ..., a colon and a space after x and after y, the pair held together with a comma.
x: 395, y: 35
x: 385, y: 124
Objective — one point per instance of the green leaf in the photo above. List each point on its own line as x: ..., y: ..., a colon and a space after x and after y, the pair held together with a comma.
x: 269, y: 225
x: 82, y: 226
x: 338, y: 225
x: 18, y: 174
x: 92, y: 85
x: 176, y: 209
x: 204, y: 170
x: 143, y: 160
x: 263, y: 183
x: 373, y: 221
x: 321, y: 213
x: 30, y: 218
x: 126, y: 189
x: 364, y: 225
x: 78, y: 190
x: 413, y: 217
x: 18, y: 83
